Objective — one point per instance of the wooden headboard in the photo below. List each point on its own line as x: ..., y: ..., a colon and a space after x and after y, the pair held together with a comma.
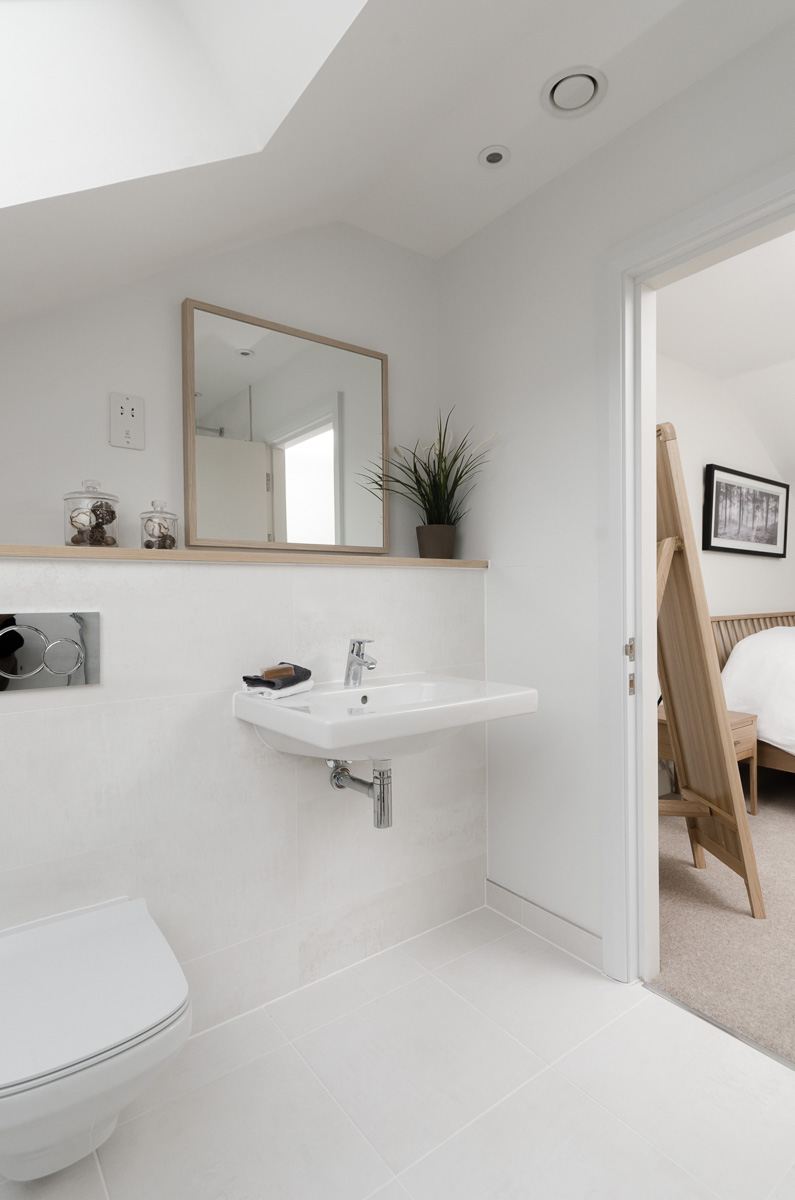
x: 728, y: 631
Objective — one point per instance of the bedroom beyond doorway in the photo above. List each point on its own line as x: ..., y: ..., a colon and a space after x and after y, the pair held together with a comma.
x: 725, y: 378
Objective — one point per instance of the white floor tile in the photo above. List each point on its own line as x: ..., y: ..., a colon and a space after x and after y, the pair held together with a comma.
x: 208, y: 1056
x: 549, y: 1141
x: 784, y: 1191
x: 269, y: 1131
x: 330, y: 998
x: 79, y: 1182
x: 415, y: 1066
x: 548, y: 1000
x: 720, y: 1109
x: 458, y: 937
x: 392, y: 1191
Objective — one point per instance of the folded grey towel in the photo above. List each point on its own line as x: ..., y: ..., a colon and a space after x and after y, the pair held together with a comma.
x: 299, y: 675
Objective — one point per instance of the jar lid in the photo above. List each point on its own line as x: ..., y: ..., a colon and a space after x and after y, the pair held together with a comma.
x: 158, y: 509
x: 91, y: 490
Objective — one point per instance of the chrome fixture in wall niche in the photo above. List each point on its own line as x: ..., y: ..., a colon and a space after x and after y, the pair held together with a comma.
x: 43, y: 650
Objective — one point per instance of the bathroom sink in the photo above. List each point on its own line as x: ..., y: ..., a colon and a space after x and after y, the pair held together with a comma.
x: 398, y: 715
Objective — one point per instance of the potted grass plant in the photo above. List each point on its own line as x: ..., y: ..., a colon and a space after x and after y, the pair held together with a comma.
x: 437, y: 479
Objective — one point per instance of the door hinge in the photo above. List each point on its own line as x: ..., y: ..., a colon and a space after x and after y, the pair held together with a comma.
x: 632, y: 685
x: 629, y: 649
x: 267, y: 481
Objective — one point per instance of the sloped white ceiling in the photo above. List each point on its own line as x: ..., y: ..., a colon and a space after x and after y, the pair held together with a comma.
x: 735, y: 317
x: 385, y: 137
x: 94, y: 92
x: 736, y: 322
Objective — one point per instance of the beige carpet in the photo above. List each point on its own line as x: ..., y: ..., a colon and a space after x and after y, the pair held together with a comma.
x: 715, y: 957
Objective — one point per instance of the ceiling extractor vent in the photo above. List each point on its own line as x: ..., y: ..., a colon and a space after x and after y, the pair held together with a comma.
x: 573, y: 92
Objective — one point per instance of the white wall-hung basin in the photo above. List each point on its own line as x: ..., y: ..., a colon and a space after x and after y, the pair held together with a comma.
x: 398, y: 715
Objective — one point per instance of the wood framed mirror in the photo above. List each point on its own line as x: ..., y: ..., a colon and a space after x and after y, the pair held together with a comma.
x: 279, y: 425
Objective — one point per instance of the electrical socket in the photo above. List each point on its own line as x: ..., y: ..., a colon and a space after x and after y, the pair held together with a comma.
x: 127, y: 421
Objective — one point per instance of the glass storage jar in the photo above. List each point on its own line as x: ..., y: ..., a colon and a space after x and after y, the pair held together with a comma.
x: 158, y: 528
x: 91, y: 516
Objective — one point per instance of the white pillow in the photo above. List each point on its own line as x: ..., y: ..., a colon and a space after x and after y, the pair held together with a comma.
x: 760, y: 678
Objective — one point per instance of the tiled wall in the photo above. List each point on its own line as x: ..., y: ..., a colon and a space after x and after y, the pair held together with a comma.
x: 261, y: 876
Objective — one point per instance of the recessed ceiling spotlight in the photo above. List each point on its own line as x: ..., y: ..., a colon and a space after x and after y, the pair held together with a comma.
x: 573, y: 92
x: 494, y: 156
x: 246, y: 353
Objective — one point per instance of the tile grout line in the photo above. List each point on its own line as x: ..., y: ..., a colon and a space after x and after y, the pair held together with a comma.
x: 325, y: 913
x: 596, y: 1032
x: 601, y: 1030
x: 422, y: 971
x: 468, y: 1124
x: 779, y: 1181
x: 147, y: 1112
x: 349, y: 1011
x: 101, y: 1173
x: 505, y: 1032
x: 290, y: 1041
x: 508, y: 1033
x: 348, y: 1118
x: 341, y: 971
x: 636, y: 1133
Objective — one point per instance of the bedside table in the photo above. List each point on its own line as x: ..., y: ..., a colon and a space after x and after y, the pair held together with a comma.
x: 743, y: 727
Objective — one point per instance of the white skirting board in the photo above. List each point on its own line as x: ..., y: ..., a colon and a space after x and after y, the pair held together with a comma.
x: 569, y: 937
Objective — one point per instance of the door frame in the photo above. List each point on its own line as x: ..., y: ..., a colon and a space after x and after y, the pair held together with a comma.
x: 726, y: 225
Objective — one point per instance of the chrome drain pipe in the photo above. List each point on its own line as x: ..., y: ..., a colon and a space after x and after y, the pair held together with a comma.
x: 379, y: 790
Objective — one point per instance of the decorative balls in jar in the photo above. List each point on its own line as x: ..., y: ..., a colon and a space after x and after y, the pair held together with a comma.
x: 91, y: 516
x: 158, y: 527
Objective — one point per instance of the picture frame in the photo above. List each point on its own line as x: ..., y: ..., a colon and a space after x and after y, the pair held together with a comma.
x: 744, y: 514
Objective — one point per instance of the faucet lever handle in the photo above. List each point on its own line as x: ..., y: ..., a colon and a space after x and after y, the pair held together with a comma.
x: 357, y: 644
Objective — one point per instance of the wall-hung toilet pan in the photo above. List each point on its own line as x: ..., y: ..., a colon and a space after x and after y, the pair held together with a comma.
x: 93, y: 1005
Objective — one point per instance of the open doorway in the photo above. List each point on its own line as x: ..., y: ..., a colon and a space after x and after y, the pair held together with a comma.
x: 724, y: 377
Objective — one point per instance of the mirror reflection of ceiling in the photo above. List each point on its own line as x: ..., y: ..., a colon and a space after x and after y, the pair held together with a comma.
x: 104, y: 92
x: 439, y: 79
x: 223, y: 370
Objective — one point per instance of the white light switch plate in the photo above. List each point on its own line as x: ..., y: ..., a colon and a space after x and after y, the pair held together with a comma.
x: 127, y: 421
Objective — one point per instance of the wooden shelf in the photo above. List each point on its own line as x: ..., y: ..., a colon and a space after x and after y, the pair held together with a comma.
x: 306, y: 557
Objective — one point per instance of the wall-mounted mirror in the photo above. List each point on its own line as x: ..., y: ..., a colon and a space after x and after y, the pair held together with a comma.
x: 279, y: 424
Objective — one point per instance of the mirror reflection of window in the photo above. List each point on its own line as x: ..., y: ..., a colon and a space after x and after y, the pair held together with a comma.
x: 309, y: 488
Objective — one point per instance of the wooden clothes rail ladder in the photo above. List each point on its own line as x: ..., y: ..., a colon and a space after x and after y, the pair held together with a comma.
x: 711, y: 795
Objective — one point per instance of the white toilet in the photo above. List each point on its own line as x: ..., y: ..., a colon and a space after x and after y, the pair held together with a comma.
x: 93, y: 1005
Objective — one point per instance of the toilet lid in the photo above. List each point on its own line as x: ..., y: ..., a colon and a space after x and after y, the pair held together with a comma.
x: 77, y: 985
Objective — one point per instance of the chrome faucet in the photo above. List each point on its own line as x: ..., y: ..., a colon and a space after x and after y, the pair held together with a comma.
x: 356, y: 660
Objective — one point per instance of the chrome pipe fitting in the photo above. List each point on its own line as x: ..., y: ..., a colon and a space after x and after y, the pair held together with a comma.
x: 379, y: 790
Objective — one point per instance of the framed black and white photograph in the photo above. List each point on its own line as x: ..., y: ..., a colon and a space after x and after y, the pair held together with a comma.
x: 744, y: 514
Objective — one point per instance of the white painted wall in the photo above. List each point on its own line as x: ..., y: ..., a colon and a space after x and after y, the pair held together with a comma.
x: 58, y: 367
x: 712, y: 427
x: 526, y: 315
x: 260, y: 875
x: 766, y: 397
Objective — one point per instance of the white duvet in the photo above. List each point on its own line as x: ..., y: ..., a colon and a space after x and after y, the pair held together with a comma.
x: 759, y: 677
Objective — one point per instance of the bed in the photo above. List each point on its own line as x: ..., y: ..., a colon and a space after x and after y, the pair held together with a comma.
x: 728, y: 631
